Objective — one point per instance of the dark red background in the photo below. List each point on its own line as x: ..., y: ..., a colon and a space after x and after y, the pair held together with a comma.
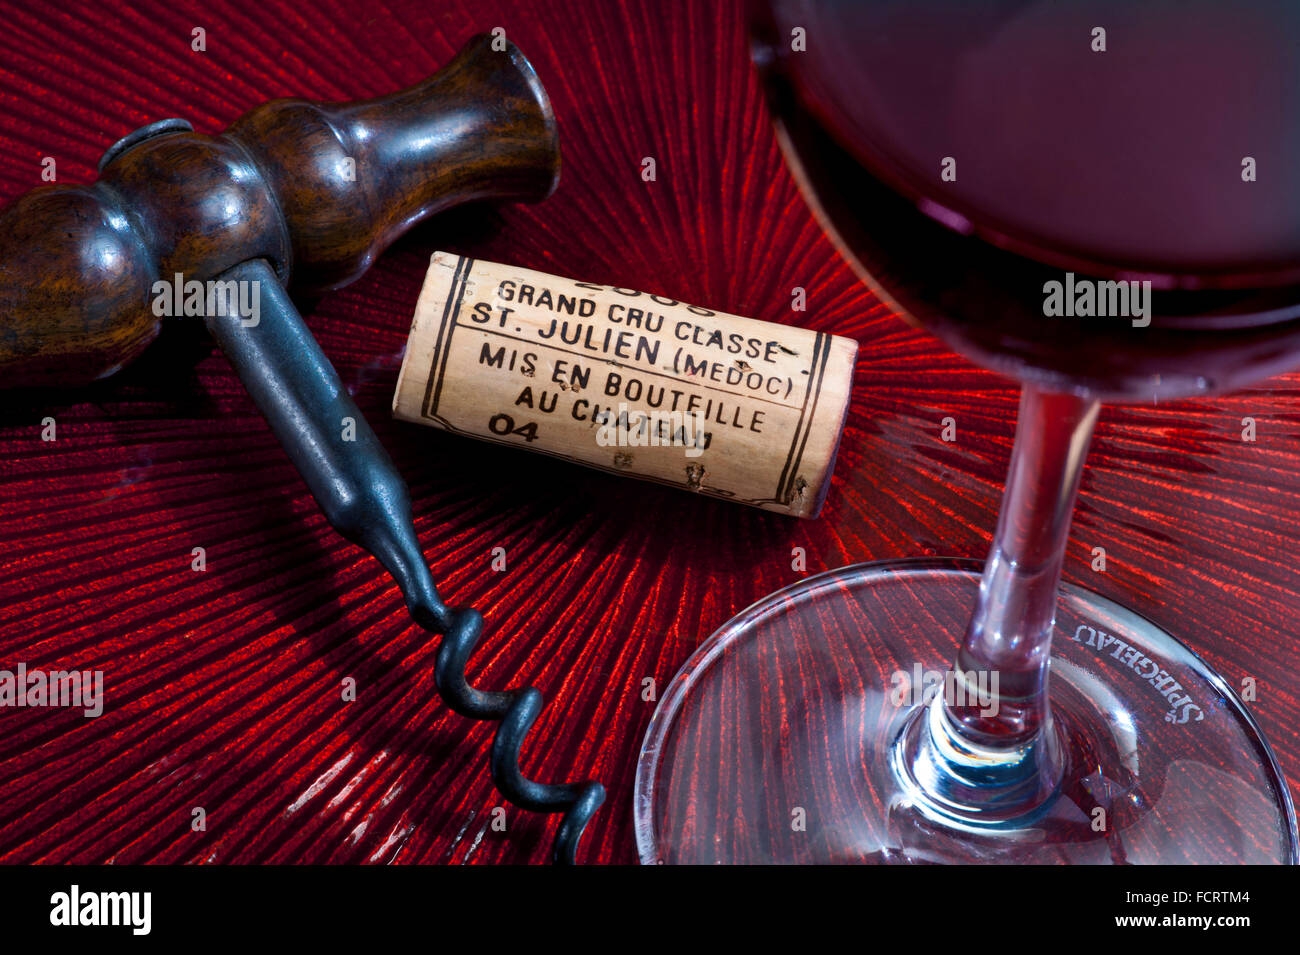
x: 222, y: 687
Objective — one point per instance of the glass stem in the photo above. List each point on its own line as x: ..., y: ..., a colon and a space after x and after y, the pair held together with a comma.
x: 1009, y: 639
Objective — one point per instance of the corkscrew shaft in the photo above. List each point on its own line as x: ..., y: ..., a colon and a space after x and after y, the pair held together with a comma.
x: 364, y: 497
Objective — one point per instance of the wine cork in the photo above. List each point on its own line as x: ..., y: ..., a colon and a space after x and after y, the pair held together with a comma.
x: 635, y: 384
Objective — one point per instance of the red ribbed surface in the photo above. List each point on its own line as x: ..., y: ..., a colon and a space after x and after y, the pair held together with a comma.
x: 223, y: 687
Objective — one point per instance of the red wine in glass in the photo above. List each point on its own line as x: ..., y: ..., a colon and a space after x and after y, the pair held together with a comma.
x: 1103, y: 200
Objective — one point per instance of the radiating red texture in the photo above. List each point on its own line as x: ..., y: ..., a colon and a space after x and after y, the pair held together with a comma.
x: 223, y: 687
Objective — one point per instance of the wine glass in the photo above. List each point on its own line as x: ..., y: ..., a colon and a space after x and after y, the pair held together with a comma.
x: 1099, y: 200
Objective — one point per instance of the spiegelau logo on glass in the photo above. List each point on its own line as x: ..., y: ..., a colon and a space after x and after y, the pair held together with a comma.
x: 1182, y: 708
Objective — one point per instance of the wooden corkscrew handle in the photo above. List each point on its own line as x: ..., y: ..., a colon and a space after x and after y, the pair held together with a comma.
x: 317, y: 190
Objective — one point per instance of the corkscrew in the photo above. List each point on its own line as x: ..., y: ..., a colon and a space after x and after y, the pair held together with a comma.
x: 310, y: 194
x: 365, y: 499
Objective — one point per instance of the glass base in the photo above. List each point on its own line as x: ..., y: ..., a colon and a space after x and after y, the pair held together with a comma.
x: 801, y: 733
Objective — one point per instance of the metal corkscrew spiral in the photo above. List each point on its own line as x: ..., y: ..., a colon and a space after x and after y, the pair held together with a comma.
x: 309, y: 194
x: 364, y: 497
x: 517, y: 710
